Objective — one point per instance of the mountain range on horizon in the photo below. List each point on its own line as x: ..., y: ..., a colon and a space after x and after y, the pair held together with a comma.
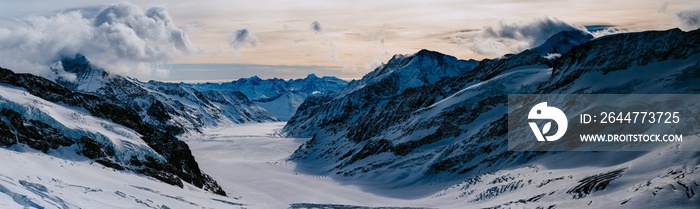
x: 424, y: 126
x: 278, y: 96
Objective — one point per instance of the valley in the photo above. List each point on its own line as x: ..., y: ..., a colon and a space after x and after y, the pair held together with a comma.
x: 250, y: 161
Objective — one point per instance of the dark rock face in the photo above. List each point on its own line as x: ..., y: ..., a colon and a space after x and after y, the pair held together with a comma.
x: 180, y: 164
x: 594, y: 183
x: 38, y: 135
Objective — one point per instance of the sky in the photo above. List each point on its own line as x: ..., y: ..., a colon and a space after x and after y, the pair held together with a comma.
x: 220, y: 40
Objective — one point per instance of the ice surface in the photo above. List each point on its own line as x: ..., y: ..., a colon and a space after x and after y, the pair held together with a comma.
x: 250, y: 161
x: 38, y: 180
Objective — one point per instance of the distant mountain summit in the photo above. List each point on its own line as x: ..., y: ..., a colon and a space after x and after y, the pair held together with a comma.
x: 87, y: 77
x: 409, y: 71
x: 560, y: 43
x: 279, y: 97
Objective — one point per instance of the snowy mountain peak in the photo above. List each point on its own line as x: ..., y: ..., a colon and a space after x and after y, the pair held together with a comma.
x: 76, y: 64
x: 410, y: 71
x: 429, y: 54
x: 311, y: 76
x: 254, y: 79
x: 87, y: 77
x: 562, y: 42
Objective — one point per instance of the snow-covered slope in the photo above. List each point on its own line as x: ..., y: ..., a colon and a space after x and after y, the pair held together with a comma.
x: 176, y: 108
x: 46, y: 116
x: 398, y: 133
x: 279, y: 97
x: 659, y: 179
x: 61, y: 179
x: 284, y: 106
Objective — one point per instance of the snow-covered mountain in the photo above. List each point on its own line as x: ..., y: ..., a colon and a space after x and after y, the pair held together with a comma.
x: 430, y: 119
x: 45, y: 116
x: 279, y: 97
x: 560, y: 43
x: 173, y: 107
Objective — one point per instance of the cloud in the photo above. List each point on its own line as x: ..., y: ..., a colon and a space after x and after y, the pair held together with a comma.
x: 511, y: 37
x: 690, y: 19
x: 609, y: 31
x: 316, y: 27
x: 121, y: 38
x: 88, y: 11
x: 491, y: 46
x: 535, y: 32
x: 240, y: 38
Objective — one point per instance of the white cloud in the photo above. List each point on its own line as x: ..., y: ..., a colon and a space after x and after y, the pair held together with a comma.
x: 240, y: 38
x: 690, y: 19
x: 511, y: 37
x: 121, y: 38
x: 535, y: 32
x: 609, y: 31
